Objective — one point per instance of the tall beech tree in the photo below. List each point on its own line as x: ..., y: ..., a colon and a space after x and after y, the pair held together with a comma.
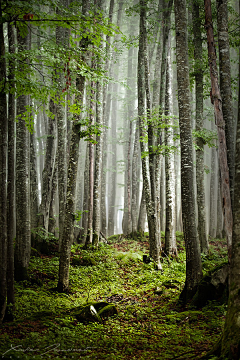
x: 225, y: 86
x: 220, y: 123
x: 154, y: 245
x: 3, y: 175
x: 198, y: 71
x: 193, y: 256
x: 23, y: 232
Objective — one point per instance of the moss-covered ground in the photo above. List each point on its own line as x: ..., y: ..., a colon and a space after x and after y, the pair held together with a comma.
x: 149, y: 323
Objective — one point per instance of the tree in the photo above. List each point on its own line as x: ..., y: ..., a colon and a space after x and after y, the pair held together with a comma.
x: 193, y: 256
x: 23, y: 232
x: 154, y: 245
x: 198, y: 71
x: 225, y: 86
x: 219, y: 120
x: 3, y: 175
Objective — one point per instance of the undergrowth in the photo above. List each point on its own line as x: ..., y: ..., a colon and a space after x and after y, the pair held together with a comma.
x: 149, y: 324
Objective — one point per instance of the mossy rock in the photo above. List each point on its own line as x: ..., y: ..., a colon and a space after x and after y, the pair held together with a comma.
x: 94, y: 312
x: 83, y: 261
x: 213, y: 286
x: 109, y: 310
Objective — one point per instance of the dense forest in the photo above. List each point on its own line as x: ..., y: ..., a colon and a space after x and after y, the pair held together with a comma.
x: 120, y: 153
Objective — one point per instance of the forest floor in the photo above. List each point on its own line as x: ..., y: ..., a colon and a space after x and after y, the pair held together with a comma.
x: 149, y: 324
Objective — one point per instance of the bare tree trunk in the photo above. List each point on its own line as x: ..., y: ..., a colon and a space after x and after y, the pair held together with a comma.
x: 135, y: 160
x: 106, y: 112
x: 193, y: 255
x: 62, y: 41
x: 170, y: 228
x: 91, y: 166
x: 219, y: 120
x: 85, y: 199
x: 142, y: 214
x: 23, y: 233
x: 98, y: 159
x: 199, y: 127
x: 154, y: 245
x: 47, y: 173
x: 112, y: 200
x: 225, y: 87
x: 3, y: 177
x: 230, y: 345
x: 213, y: 193
x: 11, y: 179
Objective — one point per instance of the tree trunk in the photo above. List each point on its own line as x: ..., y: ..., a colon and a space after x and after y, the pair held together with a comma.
x: 3, y: 177
x: 199, y: 127
x: 154, y: 245
x: 106, y: 112
x: 23, y: 232
x: 112, y: 199
x: 213, y: 193
x: 47, y: 173
x: 193, y: 255
x: 62, y: 41
x: 170, y: 228
x: 11, y: 178
x: 230, y: 344
x: 98, y: 161
x: 225, y: 87
x: 219, y: 120
x: 135, y: 160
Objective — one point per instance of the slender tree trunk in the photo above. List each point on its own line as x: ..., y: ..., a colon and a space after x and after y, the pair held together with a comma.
x: 91, y: 166
x: 142, y: 214
x: 34, y: 202
x: 11, y: 179
x: 170, y: 228
x: 3, y: 177
x: 23, y: 232
x: 47, y: 173
x: 193, y: 255
x: 219, y: 120
x: 106, y: 112
x: 98, y: 158
x: 199, y: 127
x: 213, y: 193
x: 69, y: 218
x: 85, y: 199
x: 225, y: 86
x: 135, y: 160
x: 62, y: 41
x: 112, y: 199
x: 154, y: 245
x: 68, y: 229
x: 230, y: 344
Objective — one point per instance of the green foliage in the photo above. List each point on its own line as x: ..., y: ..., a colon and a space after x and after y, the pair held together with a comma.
x: 43, y: 234
x: 148, y: 322
x: 208, y: 137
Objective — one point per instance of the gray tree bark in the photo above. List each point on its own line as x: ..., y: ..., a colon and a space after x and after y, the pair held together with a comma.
x: 219, y: 120
x: 3, y: 177
x: 23, y: 232
x: 198, y: 70
x: 154, y: 245
x: 11, y: 178
x: 170, y: 227
x: 225, y: 86
x: 193, y: 255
